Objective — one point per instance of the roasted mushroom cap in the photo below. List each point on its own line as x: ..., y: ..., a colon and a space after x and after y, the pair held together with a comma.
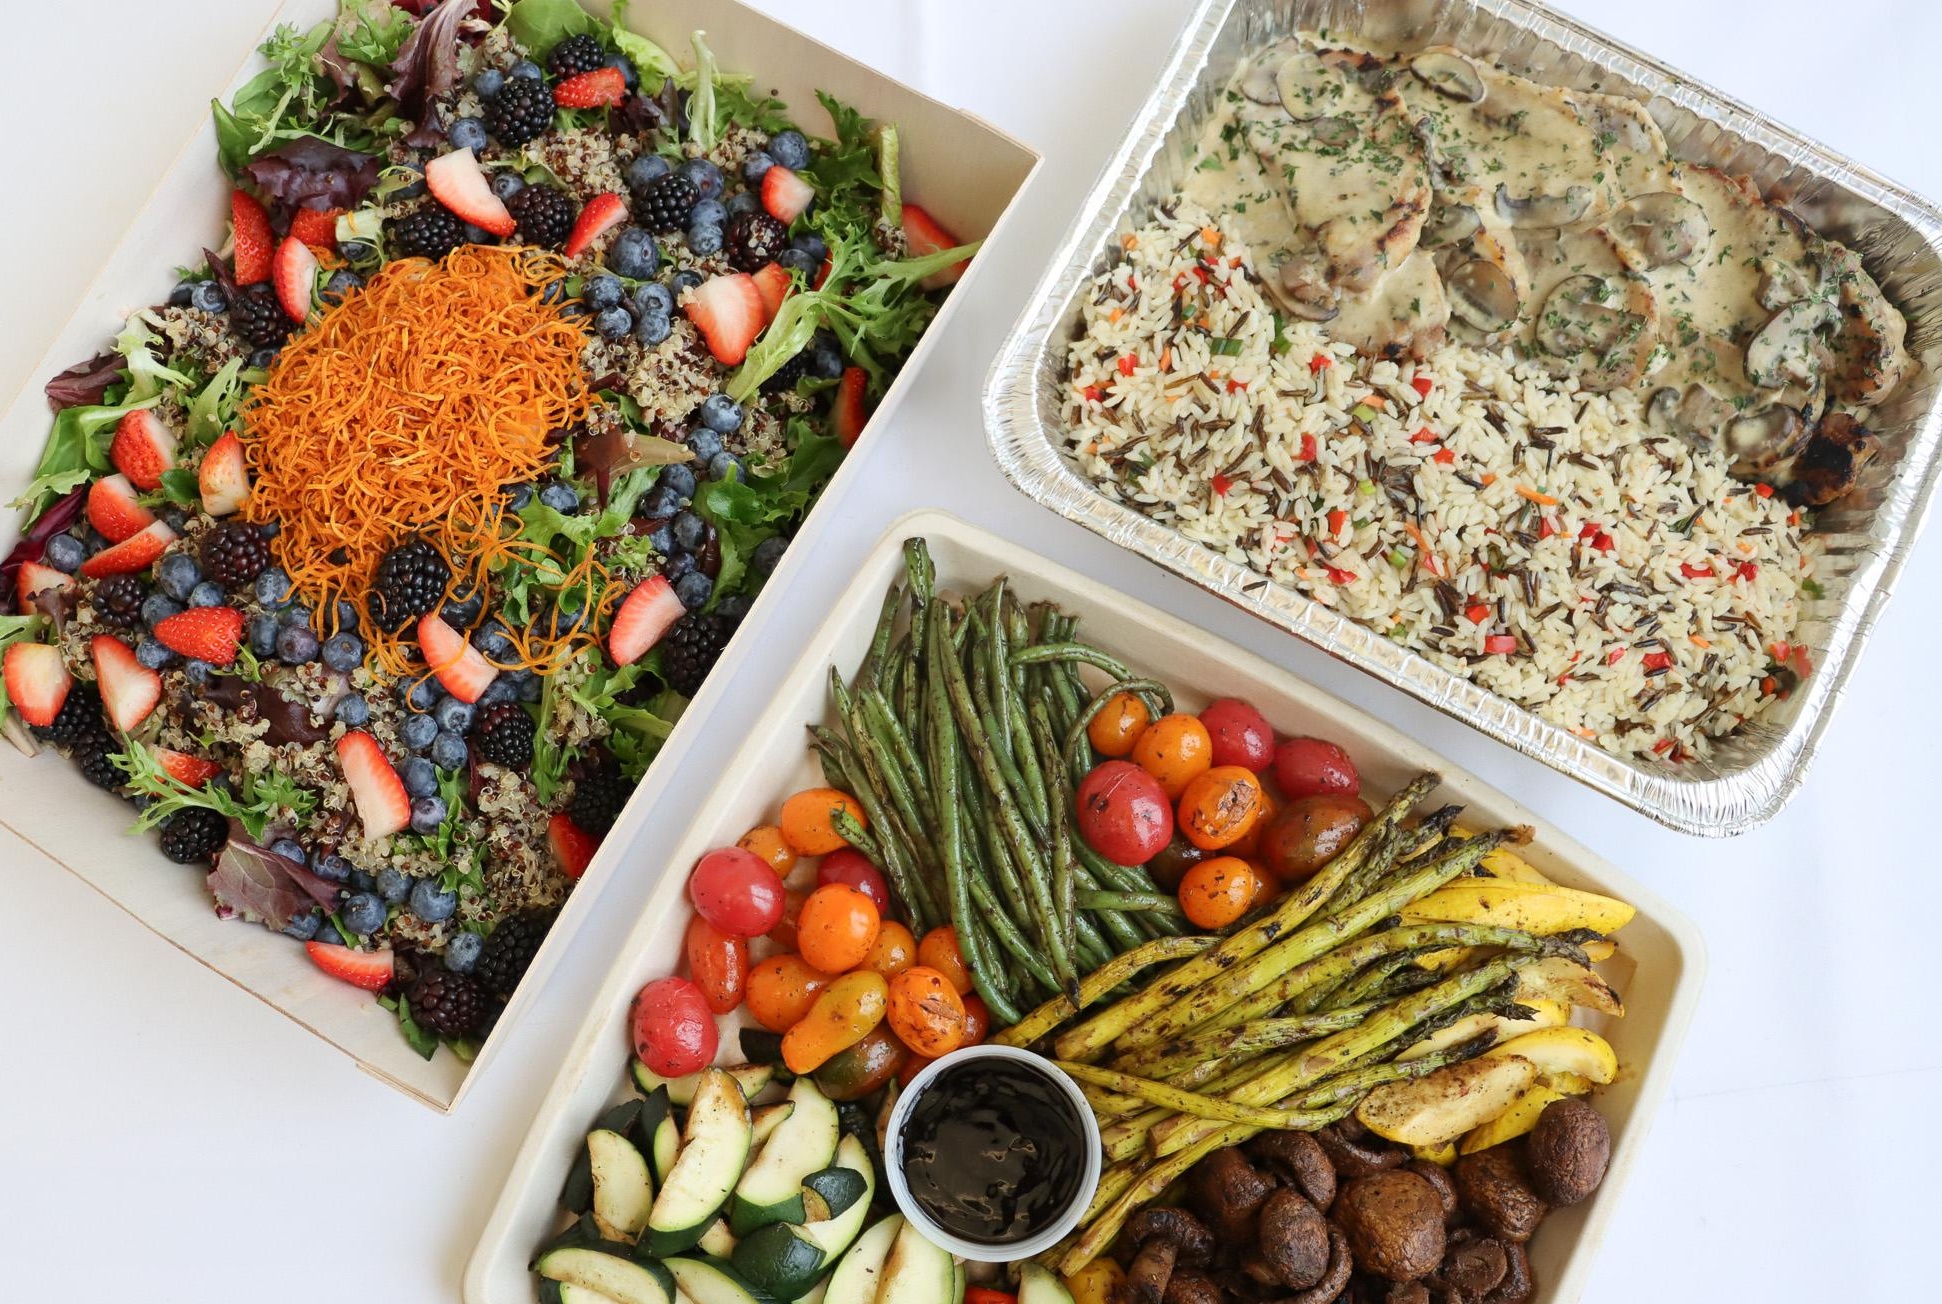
x: 1166, y: 1237
x: 1663, y: 227
x: 1298, y: 1159
x: 1472, y: 1265
x: 1493, y: 1190
x: 1568, y: 1151
x: 1191, y: 1286
x: 1831, y: 463
x: 1228, y: 1191
x: 1544, y: 210
x: 1394, y: 1223
x: 1294, y: 1239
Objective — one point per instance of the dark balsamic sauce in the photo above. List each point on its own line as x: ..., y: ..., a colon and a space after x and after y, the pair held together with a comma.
x: 993, y: 1151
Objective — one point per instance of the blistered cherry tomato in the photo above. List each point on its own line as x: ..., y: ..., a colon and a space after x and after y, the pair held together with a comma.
x: 1241, y: 735
x: 784, y: 932
x: 1220, y: 807
x: 1309, y: 832
x: 1124, y: 813
x: 808, y: 824
x: 718, y: 964
x: 894, y: 951
x: 767, y: 842
x: 1174, y: 749
x: 939, y: 951
x: 1305, y: 767
x: 841, y: 1017
x: 1172, y: 862
x: 848, y: 865
x: 926, y: 1012
x: 977, y: 1019
x: 862, y: 1069
x: 736, y: 892
x: 1118, y: 725
x: 986, y: 1295
x: 1248, y: 845
x: 781, y: 990
x: 1217, y: 892
x: 674, y: 1033
x: 837, y: 928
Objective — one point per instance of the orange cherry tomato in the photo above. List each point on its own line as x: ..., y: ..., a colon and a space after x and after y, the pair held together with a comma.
x: 842, y: 1016
x: 926, y: 1012
x: 1175, y: 749
x: 1118, y: 725
x: 912, y: 1067
x: 781, y: 990
x: 718, y: 964
x: 1220, y: 806
x: 977, y: 1020
x: 894, y: 951
x: 768, y: 846
x: 784, y: 932
x: 939, y: 951
x: 1267, y: 887
x: 837, y: 928
x: 807, y: 824
x: 1248, y: 844
x: 1217, y: 892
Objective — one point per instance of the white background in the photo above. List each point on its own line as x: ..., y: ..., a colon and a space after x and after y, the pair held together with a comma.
x: 164, y: 1137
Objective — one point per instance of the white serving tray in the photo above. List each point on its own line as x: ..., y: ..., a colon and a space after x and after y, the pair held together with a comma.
x: 966, y: 172
x: 1658, y: 968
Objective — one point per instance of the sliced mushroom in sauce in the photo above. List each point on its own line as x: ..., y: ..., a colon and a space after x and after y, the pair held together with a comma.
x: 1788, y: 348
x: 1663, y: 227
x: 1482, y: 296
x: 1543, y: 210
x: 1451, y: 73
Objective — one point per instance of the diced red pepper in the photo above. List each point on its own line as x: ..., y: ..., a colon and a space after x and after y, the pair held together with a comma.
x: 1126, y: 364
x: 1500, y: 644
x: 1093, y: 394
x: 1803, y: 666
x: 1657, y: 661
x: 1308, y: 449
x: 1779, y: 649
x: 1236, y: 386
x: 1423, y: 436
x: 1222, y: 484
x: 1746, y: 570
x: 1767, y: 686
x: 1590, y: 531
x: 1336, y: 520
x: 1422, y: 385
x: 1693, y: 572
x: 1663, y: 746
x: 1320, y: 362
x: 1201, y: 272
x: 1336, y: 575
x: 1614, y: 656
x: 1545, y: 528
x: 1477, y: 612
x: 1445, y: 456
x: 1764, y: 490
x: 1602, y: 542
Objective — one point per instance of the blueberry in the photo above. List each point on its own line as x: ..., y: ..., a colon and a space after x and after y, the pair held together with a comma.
x: 459, y: 613
x: 272, y: 587
x: 262, y: 634
x: 413, y: 180
x: 295, y: 645
x: 448, y: 750
x: 564, y: 618
x: 518, y: 496
x: 693, y: 590
x: 362, y: 882
x: 629, y: 78
x: 363, y: 914
x: 742, y: 202
x: 333, y: 868
x: 262, y: 359
x: 813, y: 245
x: 529, y: 685
x: 704, y: 240
x: 354, y: 711
x: 453, y: 714
x: 709, y: 212
x: 297, y: 613
x: 755, y: 163
x: 795, y: 260
x: 528, y: 69
x: 341, y: 282
x: 791, y: 149
x: 634, y: 254
x: 64, y: 553
x: 492, y: 639
x: 427, y: 813
x: 417, y: 732
x: 158, y: 607
x: 704, y: 444
x: 206, y: 594
x: 653, y: 298
x: 682, y: 281
x: 489, y: 83
x: 479, y: 235
x: 643, y: 169
x: 735, y: 607
x: 661, y: 539
x: 290, y: 849
x: 432, y: 903
x: 507, y: 184
x: 661, y: 500
x: 707, y: 178
x: 680, y: 477
x: 304, y: 927
x: 357, y: 250
x: 677, y: 565
x: 768, y: 554
x: 603, y: 291
x: 180, y: 295
x: 177, y: 575
x: 343, y: 652
x: 424, y: 694
x: 561, y: 496
x: 723, y: 465
x: 614, y: 323
x: 197, y: 671
x: 825, y: 357
x: 462, y: 952
x: 394, y: 885
x: 721, y: 414
x: 152, y: 655
x: 418, y: 776
x: 652, y: 328
x: 467, y: 133
x: 209, y: 297
x: 499, y: 690
x: 690, y: 531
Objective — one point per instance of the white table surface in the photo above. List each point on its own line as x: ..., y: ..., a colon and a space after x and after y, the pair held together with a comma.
x: 164, y: 1137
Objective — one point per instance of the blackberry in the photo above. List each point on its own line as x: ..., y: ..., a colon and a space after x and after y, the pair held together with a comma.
x: 234, y: 554
x: 597, y: 799
x: 118, y: 601
x: 509, y: 951
x: 664, y: 203
x: 194, y: 836
x: 755, y: 240
x: 258, y: 317
x: 92, y: 753
x: 446, y: 1004
x: 431, y: 232
x: 503, y: 734
x: 787, y: 374
x: 410, y: 581
x: 692, y: 647
x: 575, y: 55
x: 545, y: 216
x: 520, y: 112
x: 79, y: 716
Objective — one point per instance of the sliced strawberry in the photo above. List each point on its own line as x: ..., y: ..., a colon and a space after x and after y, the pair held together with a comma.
x: 37, y: 578
x: 925, y: 236
x: 786, y: 195
x: 602, y: 214
x: 189, y: 771
x: 37, y: 681
x: 129, y: 689
x: 456, y: 181
x: 573, y: 846
x: 115, y: 510
x: 316, y: 227
x: 849, y: 414
x: 223, y: 476
x: 822, y: 273
x: 646, y: 614
x: 729, y: 314
x: 371, y: 970
x: 773, y: 284
x: 135, y: 553
x: 295, y: 274
x: 460, y: 667
x: 205, y: 633
x: 143, y: 448
x: 382, y: 802
x: 602, y: 88
x: 253, y: 243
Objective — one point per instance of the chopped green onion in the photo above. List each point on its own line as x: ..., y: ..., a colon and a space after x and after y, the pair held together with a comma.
x: 1366, y: 487
x: 1363, y: 412
x: 1224, y: 347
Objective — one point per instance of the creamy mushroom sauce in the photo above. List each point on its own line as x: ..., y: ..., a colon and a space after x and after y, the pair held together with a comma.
x: 1405, y: 199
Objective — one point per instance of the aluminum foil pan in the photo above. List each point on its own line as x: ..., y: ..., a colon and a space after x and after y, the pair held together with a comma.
x: 1898, y: 235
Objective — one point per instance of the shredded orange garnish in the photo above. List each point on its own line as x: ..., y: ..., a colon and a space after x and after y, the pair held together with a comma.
x: 1699, y: 641
x: 1532, y: 495
x: 407, y: 410
x: 1129, y: 241
x: 1210, y: 237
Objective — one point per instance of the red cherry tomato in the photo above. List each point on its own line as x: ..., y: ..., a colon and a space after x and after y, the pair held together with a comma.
x: 674, y: 1033
x: 718, y: 964
x: 736, y: 891
x: 850, y: 866
x: 1309, y: 767
x: 1124, y: 814
x: 1241, y: 734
